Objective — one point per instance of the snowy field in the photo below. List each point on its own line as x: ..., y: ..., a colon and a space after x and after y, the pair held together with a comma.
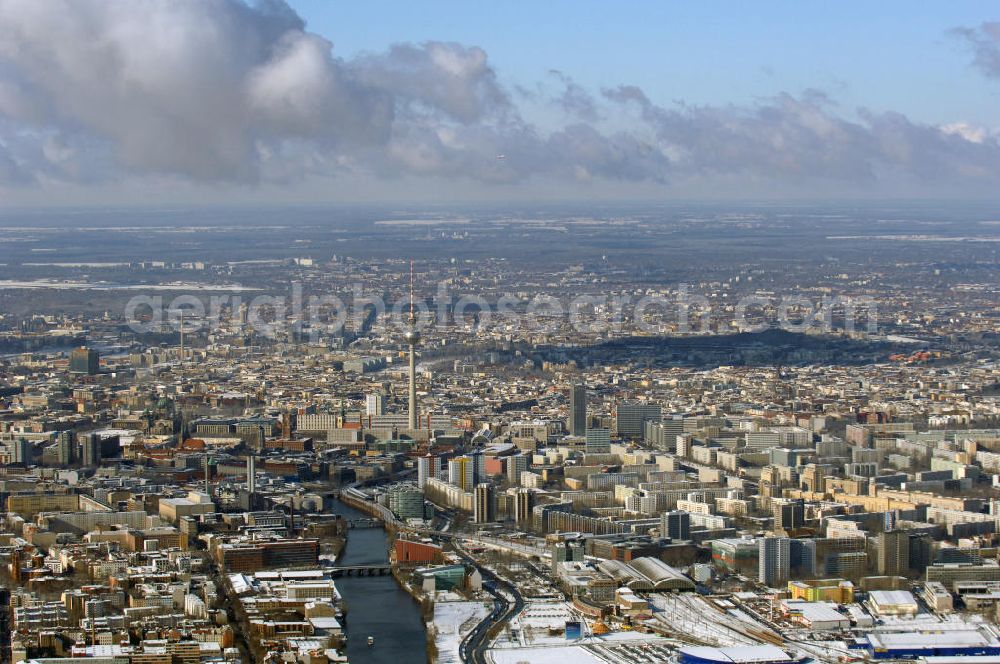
x: 452, y: 621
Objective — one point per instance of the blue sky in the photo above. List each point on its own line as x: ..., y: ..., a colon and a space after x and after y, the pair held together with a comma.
x: 336, y: 101
x: 885, y: 55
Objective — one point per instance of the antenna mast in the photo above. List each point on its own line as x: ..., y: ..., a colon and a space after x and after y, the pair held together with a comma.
x: 412, y: 337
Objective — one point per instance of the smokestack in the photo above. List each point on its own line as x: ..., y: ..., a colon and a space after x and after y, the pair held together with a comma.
x: 207, y: 490
x: 252, y: 474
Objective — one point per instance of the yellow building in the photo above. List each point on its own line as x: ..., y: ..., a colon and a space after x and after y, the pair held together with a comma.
x: 460, y: 472
x: 823, y: 590
x: 30, y: 504
x: 630, y: 604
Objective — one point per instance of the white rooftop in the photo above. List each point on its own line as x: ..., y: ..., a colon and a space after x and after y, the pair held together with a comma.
x: 947, y: 639
x: 892, y: 597
x: 738, y: 654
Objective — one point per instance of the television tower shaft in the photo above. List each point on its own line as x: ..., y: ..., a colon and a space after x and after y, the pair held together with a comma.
x: 412, y: 338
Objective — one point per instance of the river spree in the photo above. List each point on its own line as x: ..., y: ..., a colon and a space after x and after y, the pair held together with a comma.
x: 376, y: 605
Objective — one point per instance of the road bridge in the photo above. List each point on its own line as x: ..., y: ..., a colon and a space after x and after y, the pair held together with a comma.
x: 361, y: 570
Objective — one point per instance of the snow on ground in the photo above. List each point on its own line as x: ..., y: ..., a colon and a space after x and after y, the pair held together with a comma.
x: 552, y: 654
x: 619, y: 647
x: 542, y: 622
x: 452, y: 621
x: 691, y: 619
x: 537, y: 635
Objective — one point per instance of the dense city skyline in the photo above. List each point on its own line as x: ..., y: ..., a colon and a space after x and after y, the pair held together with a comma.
x: 499, y: 333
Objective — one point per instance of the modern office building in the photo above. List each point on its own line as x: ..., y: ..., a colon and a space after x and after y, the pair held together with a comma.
x: 445, y: 577
x: 427, y: 467
x: 775, y: 561
x: 893, y: 553
x: 676, y: 525
x: 484, y: 507
x: 64, y: 448
x: 84, y: 361
x: 91, y: 450
x: 783, y: 456
x: 516, y: 465
x: 663, y: 435
x: 578, y: 410
x: 408, y: 552
x: 813, y: 478
x: 374, y: 404
x: 948, y: 574
x: 20, y: 451
x: 363, y: 365
x: 598, y: 441
x: 566, y: 552
x: 406, y: 501
x: 252, y: 557
x: 478, y: 465
x: 803, y: 557
x: 789, y: 514
x: 632, y: 418
x: 461, y: 471
x: 523, y: 502
x: 251, y: 474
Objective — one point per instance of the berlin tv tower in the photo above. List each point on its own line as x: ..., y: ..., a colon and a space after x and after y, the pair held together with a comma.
x: 412, y: 337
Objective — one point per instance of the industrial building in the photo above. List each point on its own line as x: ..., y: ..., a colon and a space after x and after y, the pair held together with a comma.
x: 893, y: 603
x: 646, y: 574
x: 734, y: 655
x: 911, y: 645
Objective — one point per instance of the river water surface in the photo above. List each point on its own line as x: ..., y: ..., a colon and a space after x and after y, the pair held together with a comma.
x: 376, y: 605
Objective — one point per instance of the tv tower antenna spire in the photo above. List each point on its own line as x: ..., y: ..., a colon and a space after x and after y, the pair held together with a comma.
x: 412, y: 339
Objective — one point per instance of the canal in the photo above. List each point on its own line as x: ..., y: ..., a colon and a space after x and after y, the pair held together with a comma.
x: 376, y: 605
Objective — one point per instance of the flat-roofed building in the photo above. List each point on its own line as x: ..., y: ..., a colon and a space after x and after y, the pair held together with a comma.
x: 948, y: 573
x: 30, y: 504
x: 840, y: 591
x: 818, y: 616
x: 172, y: 509
x: 893, y: 603
x: 912, y: 645
x: 937, y: 597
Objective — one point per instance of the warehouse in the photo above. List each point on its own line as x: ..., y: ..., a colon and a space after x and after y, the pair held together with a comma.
x: 735, y: 655
x: 911, y: 645
x: 818, y: 616
x: 893, y: 603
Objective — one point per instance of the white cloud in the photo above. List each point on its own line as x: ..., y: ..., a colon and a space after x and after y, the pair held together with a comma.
x: 219, y: 91
x: 969, y: 132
